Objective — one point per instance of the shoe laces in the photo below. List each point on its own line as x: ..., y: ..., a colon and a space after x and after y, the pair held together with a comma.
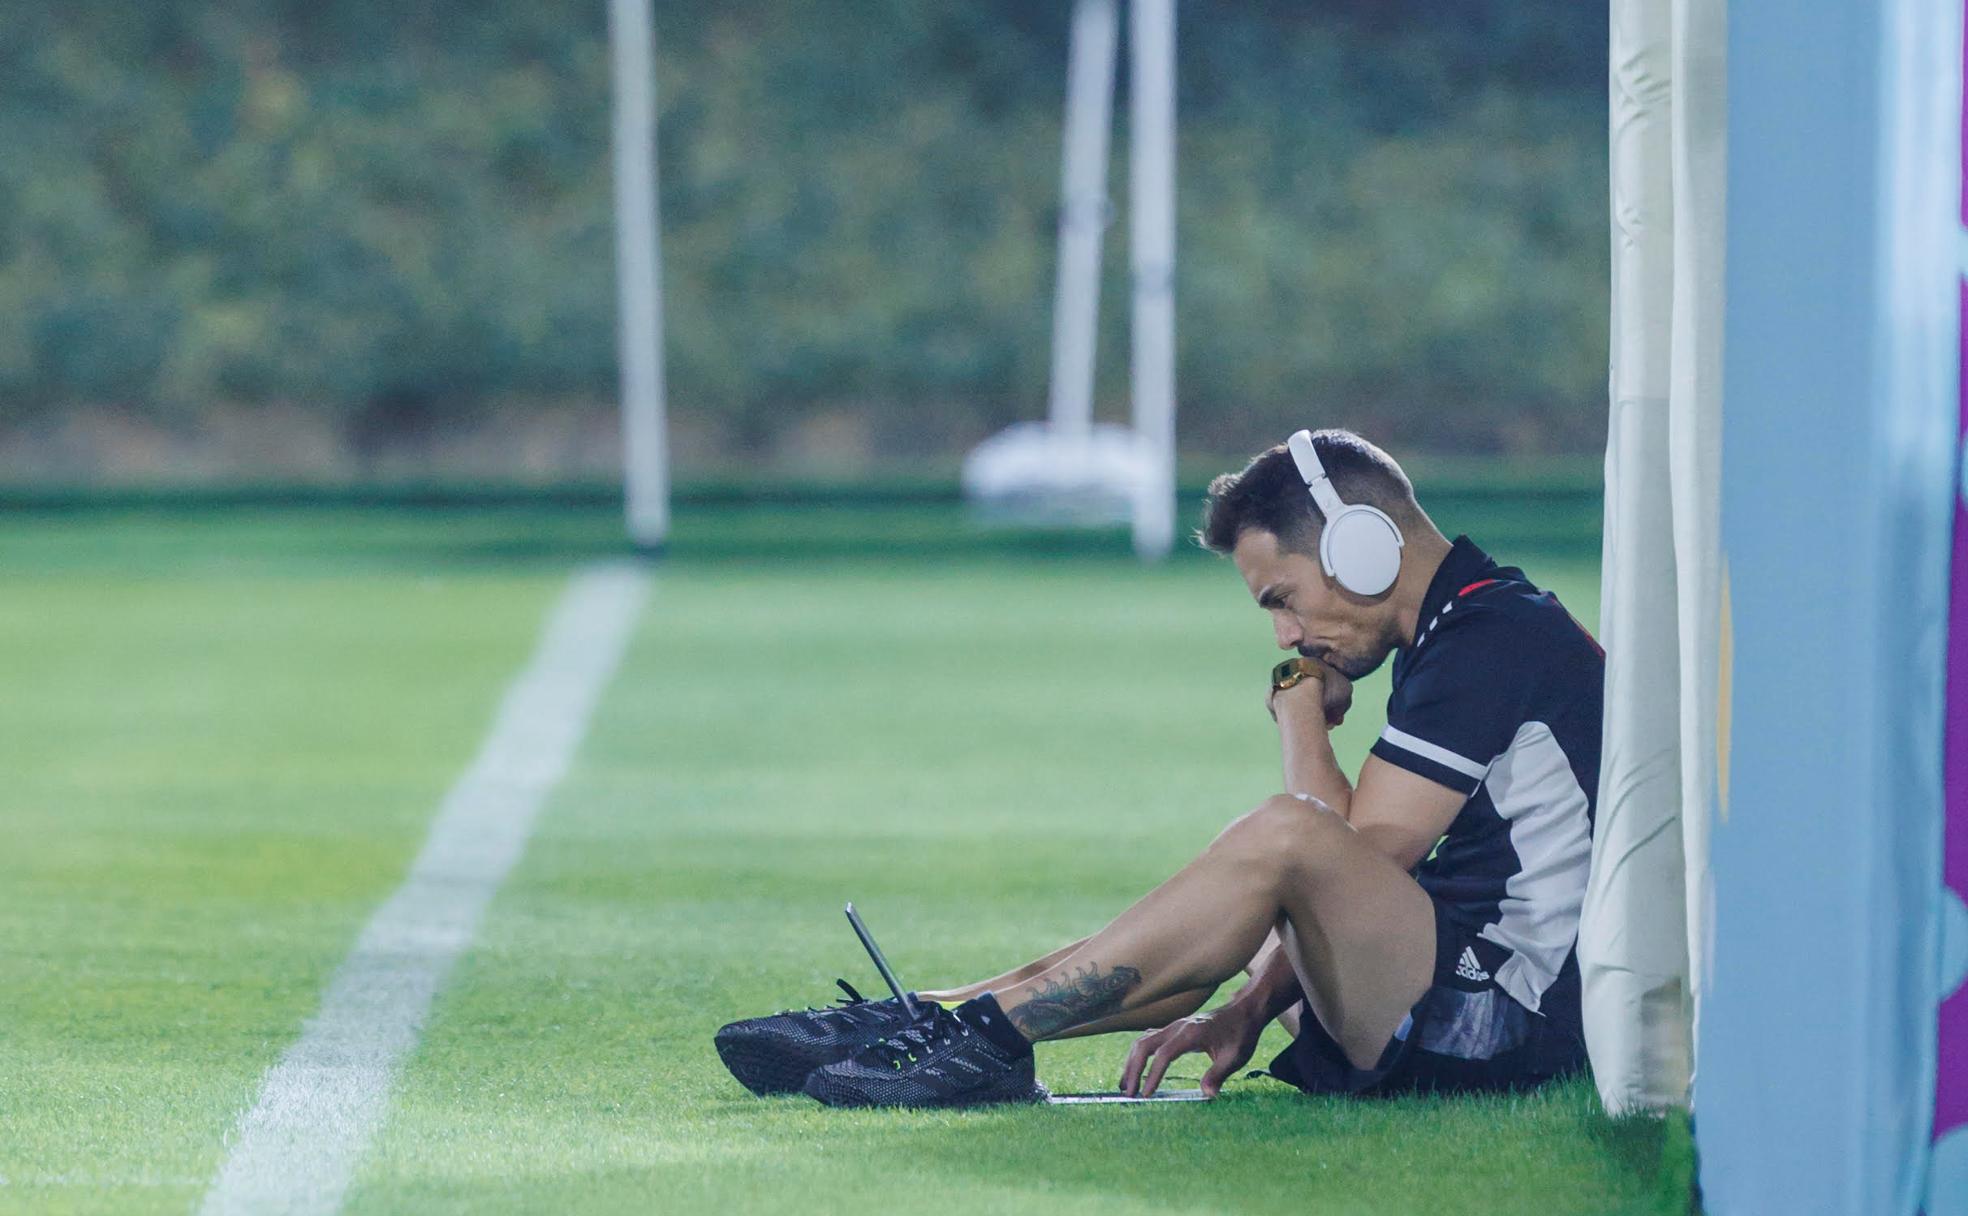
x: 851, y: 1007
x: 935, y: 1028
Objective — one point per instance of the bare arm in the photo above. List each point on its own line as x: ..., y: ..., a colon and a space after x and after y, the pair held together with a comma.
x: 1272, y: 989
x: 1400, y: 813
x: 1306, y: 714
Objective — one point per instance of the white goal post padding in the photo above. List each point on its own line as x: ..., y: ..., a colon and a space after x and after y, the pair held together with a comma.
x: 1642, y: 932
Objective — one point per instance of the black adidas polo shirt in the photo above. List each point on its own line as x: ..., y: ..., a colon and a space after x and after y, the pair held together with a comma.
x: 1501, y: 697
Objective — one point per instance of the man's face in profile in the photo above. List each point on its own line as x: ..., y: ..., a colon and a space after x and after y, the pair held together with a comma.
x: 1310, y: 613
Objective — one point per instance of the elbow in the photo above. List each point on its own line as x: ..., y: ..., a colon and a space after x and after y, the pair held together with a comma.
x: 1338, y: 806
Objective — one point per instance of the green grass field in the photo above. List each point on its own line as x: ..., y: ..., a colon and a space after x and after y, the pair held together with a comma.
x: 229, y: 730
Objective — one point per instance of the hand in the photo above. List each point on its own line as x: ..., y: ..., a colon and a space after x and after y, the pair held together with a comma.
x: 1228, y: 1036
x: 1330, y: 690
x: 1337, y: 696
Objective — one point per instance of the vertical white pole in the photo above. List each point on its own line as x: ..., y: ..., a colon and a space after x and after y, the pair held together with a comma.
x: 1632, y: 938
x: 1151, y: 163
x: 638, y: 280
x: 1082, y: 214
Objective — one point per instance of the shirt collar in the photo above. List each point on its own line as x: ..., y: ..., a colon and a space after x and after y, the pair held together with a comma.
x: 1465, y: 564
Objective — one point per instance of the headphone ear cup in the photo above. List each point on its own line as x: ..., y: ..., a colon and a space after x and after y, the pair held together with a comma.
x: 1361, y: 549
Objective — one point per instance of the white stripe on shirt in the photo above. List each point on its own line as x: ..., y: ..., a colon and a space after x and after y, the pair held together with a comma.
x: 1431, y: 751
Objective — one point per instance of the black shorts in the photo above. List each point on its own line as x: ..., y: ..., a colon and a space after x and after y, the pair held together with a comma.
x: 1465, y: 1034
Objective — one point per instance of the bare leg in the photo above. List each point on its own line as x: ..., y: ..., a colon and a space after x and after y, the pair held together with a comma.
x: 1038, y: 966
x: 1148, y: 1017
x: 1145, y: 1017
x: 1014, y: 976
x: 1361, y: 933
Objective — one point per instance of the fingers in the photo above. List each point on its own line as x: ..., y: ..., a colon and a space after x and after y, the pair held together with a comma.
x: 1138, y: 1055
x: 1168, y: 1055
x: 1218, y: 1072
x: 1155, y: 1051
x: 1336, y: 702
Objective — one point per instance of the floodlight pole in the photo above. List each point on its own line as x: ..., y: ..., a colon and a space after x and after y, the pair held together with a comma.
x: 638, y: 275
x: 1082, y: 214
x: 1151, y: 210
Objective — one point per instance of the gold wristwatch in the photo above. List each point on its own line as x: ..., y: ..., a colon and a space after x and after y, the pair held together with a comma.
x: 1293, y: 670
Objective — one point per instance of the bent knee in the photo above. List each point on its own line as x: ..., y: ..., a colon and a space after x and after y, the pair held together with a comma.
x: 1284, y: 828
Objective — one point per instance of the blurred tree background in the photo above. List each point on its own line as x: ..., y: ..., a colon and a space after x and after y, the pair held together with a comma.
x: 347, y: 238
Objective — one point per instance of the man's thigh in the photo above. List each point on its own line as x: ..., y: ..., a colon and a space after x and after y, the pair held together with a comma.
x: 1361, y: 935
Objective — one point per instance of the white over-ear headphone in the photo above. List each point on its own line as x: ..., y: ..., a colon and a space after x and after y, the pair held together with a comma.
x: 1361, y: 546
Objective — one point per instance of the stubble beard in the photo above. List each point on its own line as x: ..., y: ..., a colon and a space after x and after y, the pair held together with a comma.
x: 1353, y: 666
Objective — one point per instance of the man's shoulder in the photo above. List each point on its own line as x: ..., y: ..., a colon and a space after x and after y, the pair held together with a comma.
x: 1507, y: 635
x: 1508, y: 614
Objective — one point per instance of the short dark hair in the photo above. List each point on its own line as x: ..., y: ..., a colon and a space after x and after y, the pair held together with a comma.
x: 1269, y: 495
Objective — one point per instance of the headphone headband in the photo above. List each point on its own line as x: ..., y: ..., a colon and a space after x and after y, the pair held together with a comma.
x: 1306, y: 457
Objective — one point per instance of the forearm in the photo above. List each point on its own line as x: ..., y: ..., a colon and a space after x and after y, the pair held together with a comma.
x: 1310, y: 766
x: 1273, y: 988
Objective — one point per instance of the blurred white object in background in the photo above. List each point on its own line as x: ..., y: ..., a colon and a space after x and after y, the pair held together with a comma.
x: 1035, y: 472
x: 1068, y: 470
x: 639, y: 275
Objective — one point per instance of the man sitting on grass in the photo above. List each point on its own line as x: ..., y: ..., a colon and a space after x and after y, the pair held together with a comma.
x: 1420, y: 923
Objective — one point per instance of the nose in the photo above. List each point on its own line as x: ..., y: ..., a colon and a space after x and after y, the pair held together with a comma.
x: 1289, y: 634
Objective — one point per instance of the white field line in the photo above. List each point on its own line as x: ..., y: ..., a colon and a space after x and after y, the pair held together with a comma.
x: 296, y: 1149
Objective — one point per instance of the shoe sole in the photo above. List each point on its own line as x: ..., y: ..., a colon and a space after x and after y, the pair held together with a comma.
x: 761, y: 1067
x: 1037, y: 1094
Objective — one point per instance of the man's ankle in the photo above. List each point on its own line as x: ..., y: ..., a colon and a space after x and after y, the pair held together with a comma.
x: 983, y: 1015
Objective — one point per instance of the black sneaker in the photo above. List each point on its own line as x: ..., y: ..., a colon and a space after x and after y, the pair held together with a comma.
x: 939, y: 1060
x: 772, y: 1055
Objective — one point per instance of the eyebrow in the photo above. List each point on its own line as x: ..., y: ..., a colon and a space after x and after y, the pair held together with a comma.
x: 1273, y: 596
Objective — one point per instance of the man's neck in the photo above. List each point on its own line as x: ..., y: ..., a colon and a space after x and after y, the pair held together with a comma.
x: 1424, y: 556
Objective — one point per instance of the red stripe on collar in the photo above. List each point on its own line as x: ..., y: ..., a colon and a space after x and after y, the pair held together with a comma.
x: 1476, y: 586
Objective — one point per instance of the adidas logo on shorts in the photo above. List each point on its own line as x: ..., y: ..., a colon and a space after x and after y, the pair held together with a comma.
x: 1468, y: 968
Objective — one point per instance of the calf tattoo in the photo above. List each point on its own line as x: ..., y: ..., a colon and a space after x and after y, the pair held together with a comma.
x: 1077, y: 997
